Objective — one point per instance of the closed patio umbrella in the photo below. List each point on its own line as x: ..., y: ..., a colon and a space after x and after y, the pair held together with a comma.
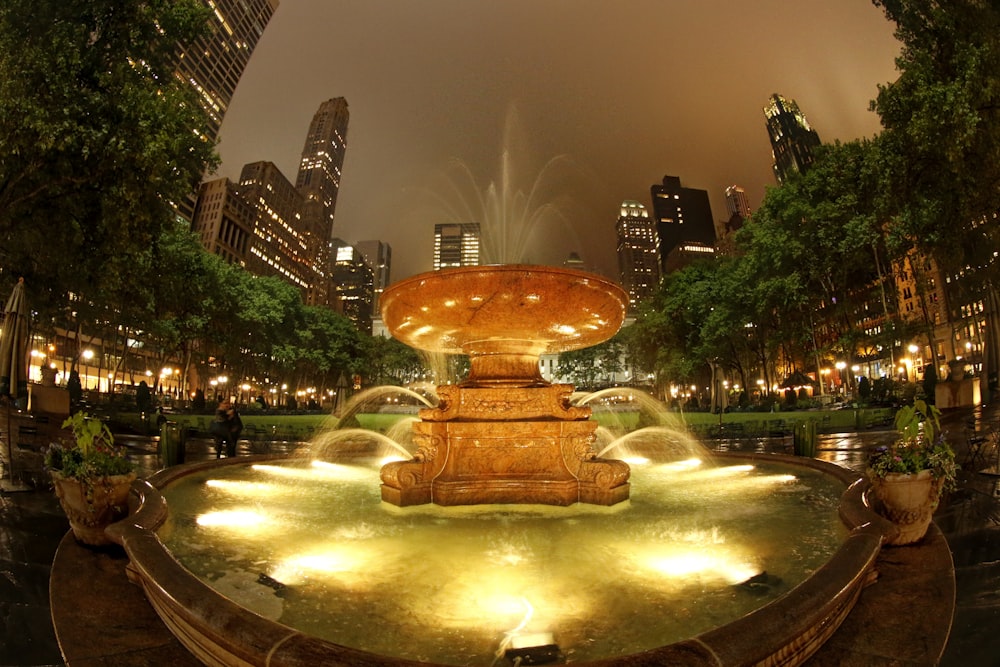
x: 14, y: 345
x: 13, y: 362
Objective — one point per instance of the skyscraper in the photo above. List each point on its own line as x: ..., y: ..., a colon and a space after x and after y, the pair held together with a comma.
x: 322, y: 160
x: 278, y: 247
x: 793, y: 141
x: 737, y: 202
x: 638, y: 252
x: 214, y: 63
x: 318, y: 182
x: 378, y: 257
x: 682, y: 215
x: 456, y: 244
x: 351, y: 280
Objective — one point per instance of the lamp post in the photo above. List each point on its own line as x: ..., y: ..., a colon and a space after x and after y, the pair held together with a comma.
x: 841, y: 365
x: 913, y: 348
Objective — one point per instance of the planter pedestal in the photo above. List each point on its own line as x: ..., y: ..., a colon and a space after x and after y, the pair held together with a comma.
x: 92, y: 507
x: 908, y: 501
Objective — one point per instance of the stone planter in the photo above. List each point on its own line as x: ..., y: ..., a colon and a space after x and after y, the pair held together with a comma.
x: 90, y: 507
x: 908, y: 501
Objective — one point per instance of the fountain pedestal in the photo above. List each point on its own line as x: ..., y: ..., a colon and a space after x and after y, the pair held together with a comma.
x: 504, y: 435
x: 511, y: 445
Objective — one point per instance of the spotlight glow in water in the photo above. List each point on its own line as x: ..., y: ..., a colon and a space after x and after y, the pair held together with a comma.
x: 237, y: 519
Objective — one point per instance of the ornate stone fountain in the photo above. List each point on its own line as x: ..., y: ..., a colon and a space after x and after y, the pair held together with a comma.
x: 504, y: 434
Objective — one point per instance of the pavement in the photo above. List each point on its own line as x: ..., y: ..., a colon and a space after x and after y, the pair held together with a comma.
x: 32, y: 526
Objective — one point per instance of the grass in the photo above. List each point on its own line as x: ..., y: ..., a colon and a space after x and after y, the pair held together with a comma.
x: 301, y: 427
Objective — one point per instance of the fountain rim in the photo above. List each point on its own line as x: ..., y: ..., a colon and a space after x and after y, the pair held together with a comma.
x: 204, y: 620
x: 507, y: 268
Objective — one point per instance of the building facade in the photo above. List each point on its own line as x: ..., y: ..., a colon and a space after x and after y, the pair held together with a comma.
x: 214, y: 63
x: 456, y: 244
x: 352, y: 284
x: 224, y: 220
x: 638, y: 252
x: 318, y: 181
x: 793, y: 141
x: 279, y: 246
x: 378, y: 257
x: 682, y: 215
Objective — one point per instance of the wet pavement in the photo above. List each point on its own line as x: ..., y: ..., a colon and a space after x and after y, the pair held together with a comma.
x: 32, y: 525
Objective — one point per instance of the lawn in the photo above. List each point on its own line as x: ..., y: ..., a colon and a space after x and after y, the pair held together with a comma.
x: 302, y: 427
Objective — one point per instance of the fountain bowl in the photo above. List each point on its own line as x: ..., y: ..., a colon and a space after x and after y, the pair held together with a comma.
x: 217, y: 631
x: 503, y: 316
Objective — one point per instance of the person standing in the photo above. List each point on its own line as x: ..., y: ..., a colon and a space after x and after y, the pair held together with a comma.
x: 226, y: 428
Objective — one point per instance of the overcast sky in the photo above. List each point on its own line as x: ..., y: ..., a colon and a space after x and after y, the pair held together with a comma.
x: 591, y: 102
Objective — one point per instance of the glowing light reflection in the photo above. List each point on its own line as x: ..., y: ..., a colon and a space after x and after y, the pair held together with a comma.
x: 238, y: 519
x: 240, y: 487
x: 686, y: 464
x: 335, y: 563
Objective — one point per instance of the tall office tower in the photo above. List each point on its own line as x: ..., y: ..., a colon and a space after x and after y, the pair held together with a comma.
x: 214, y: 63
x: 224, y: 220
x: 456, y: 244
x: 681, y: 215
x: 322, y: 160
x: 352, y: 285
x: 378, y: 256
x: 318, y: 181
x: 738, y: 207
x: 638, y: 252
x: 737, y: 202
x: 793, y: 141
x: 278, y: 246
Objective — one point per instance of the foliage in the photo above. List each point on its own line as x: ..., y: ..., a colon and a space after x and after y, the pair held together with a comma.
x: 97, y: 138
x: 920, y: 446
x: 92, y: 455
x: 940, y: 145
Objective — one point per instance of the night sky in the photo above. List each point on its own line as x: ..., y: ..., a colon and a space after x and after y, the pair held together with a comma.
x: 592, y: 101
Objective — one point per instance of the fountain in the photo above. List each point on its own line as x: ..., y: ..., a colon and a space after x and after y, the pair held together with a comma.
x: 605, y: 604
x: 504, y: 435
x: 501, y: 455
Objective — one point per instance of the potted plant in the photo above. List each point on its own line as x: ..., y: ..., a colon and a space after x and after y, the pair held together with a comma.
x: 908, y: 476
x: 92, y: 478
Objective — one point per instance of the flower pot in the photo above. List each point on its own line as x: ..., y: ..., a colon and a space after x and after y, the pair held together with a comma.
x: 908, y: 501
x: 92, y: 506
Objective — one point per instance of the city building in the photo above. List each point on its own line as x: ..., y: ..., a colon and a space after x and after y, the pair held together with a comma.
x: 224, y: 220
x: 456, y: 244
x: 318, y: 181
x: 214, y: 63
x: 272, y: 227
x: 738, y: 208
x: 737, y: 202
x: 279, y: 246
x: 682, y: 216
x: 378, y: 257
x: 793, y: 141
x: 352, y: 285
x: 685, y: 254
x: 638, y: 252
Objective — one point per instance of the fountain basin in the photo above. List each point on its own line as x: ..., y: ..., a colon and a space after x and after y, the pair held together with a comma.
x: 218, y: 631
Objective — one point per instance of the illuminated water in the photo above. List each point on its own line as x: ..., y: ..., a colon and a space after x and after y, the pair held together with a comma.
x: 313, y: 547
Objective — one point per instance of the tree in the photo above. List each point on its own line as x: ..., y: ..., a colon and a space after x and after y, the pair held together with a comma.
x: 940, y: 145
x: 98, y: 138
x: 388, y: 361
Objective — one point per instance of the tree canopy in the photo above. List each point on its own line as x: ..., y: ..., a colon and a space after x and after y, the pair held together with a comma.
x: 98, y: 138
